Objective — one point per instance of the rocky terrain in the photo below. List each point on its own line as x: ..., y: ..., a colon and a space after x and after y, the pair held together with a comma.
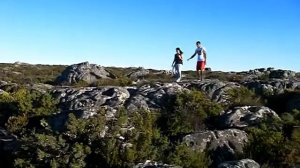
x: 238, y: 108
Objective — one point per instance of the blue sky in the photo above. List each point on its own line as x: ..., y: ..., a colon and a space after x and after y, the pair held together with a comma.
x: 238, y: 34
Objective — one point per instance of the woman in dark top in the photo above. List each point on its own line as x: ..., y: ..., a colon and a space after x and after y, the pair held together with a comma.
x: 177, y: 63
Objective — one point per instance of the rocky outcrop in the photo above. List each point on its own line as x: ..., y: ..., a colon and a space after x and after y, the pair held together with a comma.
x: 241, y: 117
x: 244, y: 163
x: 89, y: 100
x: 282, y: 74
x: 86, y: 102
x: 139, y: 73
x: 215, y: 89
x: 223, y: 144
x: 7, y: 86
x: 272, y: 87
x: 40, y: 87
x: 86, y: 72
x: 152, y: 97
x: 267, y: 74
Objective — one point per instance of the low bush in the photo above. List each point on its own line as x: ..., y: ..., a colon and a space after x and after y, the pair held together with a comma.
x: 188, y: 112
x: 275, y: 143
x: 188, y: 158
x: 18, y: 107
x: 269, y: 147
x: 28, y: 74
x: 123, y: 81
x: 242, y: 96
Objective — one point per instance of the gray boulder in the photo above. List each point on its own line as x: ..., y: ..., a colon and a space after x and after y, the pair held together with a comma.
x: 282, y: 74
x: 41, y: 87
x: 8, y: 86
x: 223, y: 144
x: 258, y: 71
x: 244, y: 163
x: 241, y: 117
x: 215, y: 89
x: 271, y: 87
x: 152, y: 97
x: 138, y: 73
x: 89, y: 100
x: 86, y: 72
x: 148, y: 96
x: 266, y: 74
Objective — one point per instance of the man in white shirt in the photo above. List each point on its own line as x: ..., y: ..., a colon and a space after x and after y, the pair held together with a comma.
x: 201, y: 62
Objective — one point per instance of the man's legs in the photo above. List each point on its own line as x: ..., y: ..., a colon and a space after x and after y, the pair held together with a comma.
x: 202, y: 75
x: 200, y: 70
x: 199, y: 74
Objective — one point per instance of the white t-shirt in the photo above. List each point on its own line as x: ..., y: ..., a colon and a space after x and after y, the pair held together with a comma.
x: 199, y: 52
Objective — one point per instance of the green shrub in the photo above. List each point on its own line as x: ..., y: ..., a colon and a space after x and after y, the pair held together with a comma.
x: 236, y: 78
x: 291, y: 117
x: 264, y: 77
x: 81, y: 83
x: 7, y: 107
x: 28, y: 74
x: 189, y: 158
x: 243, y: 97
x: 130, y: 138
x: 143, y: 139
x: 119, y: 72
x: 217, y: 75
x: 23, y: 101
x: 41, y: 150
x: 269, y: 147
x: 123, y: 81
x: 23, y: 105
x: 161, y: 77
x: 188, y: 112
x: 44, y: 104
x: 85, y: 130
x: 15, y: 124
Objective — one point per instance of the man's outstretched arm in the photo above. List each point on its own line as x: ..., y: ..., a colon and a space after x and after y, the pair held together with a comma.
x: 192, y: 56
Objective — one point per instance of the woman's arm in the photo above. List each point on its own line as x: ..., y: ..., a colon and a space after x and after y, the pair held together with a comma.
x: 181, y: 56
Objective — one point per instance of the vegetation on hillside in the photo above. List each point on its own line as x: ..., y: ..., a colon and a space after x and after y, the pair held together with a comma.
x: 29, y: 74
x: 275, y: 143
x: 21, y: 73
x: 134, y: 136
